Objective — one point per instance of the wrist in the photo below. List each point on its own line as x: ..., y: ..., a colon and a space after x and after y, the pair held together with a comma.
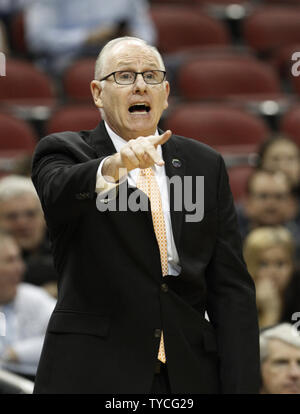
x: 112, y: 170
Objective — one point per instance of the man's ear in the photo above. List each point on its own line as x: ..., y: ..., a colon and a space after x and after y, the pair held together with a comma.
x: 96, y: 90
x: 167, y: 90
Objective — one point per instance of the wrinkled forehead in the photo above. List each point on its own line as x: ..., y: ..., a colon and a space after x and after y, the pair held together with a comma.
x: 129, y: 54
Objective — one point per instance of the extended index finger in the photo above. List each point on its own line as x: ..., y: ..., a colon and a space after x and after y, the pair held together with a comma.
x: 161, y: 139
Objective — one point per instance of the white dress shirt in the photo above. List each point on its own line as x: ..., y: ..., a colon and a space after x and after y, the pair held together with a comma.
x: 160, y: 174
x: 26, y: 319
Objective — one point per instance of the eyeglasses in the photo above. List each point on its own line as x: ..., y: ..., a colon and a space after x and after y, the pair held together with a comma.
x: 128, y: 77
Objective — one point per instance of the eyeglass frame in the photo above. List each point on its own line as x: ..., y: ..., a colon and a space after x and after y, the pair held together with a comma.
x: 135, y: 76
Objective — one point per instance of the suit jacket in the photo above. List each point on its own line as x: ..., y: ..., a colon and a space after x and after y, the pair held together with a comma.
x: 113, y: 301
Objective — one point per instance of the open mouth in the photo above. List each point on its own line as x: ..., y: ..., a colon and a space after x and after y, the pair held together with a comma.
x: 139, y: 108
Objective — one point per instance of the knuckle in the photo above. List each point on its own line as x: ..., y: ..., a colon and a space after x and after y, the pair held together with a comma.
x: 140, y: 153
x: 126, y: 151
x: 138, y: 150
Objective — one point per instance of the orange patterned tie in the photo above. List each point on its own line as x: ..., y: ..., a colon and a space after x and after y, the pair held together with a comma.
x: 147, y: 183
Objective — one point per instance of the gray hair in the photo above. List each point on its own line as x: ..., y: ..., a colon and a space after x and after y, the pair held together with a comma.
x: 16, y: 185
x: 284, y: 332
x: 112, y: 43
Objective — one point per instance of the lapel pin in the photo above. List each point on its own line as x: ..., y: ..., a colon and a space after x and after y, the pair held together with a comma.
x: 176, y: 163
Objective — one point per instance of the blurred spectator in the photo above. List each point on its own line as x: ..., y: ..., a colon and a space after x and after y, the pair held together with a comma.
x: 269, y: 202
x: 58, y: 31
x: 8, y: 8
x: 11, y: 6
x: 26, y: 311
x: 280, y: 360
x: 21, y: 215
x: 280, y: 153
x: 269, y: 255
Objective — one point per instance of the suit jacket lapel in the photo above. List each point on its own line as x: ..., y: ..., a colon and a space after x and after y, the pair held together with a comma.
x: 101, y: 142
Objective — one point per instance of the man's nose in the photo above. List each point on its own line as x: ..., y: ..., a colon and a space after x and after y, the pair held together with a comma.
x: 271, y: 273
x: 140, y: 85
x: 294, y: 370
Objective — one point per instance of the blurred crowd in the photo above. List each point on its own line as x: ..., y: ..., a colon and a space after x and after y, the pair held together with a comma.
x: 54, y: 35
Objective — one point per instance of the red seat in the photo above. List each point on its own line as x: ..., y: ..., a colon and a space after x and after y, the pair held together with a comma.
x: 213, y: 51
x: 290, y: 124
x: 228, y: 77
x: 180, y: 27
x: 295, y: 75
x: 282, y: 2
x: 271, y: 27
x: 24, y: 84
x: 181, y: 2
x: 238, y: 178
x: 221, y: 2
x: 73, y: 118
x: 77, y: 79
x: 224, y: 128
x: 16, y: 136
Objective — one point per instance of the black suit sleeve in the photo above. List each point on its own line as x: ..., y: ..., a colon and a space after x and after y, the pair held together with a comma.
x: 231, y: 301
x: 64, y: 178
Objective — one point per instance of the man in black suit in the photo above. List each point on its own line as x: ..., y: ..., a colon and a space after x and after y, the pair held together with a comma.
x: 122, y: 324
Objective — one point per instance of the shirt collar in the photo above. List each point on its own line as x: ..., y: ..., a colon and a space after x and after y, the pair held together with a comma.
x: 119, y: 142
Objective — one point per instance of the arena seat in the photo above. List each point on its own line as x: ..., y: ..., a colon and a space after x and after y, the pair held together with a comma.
x: 229, y: 130
x: 77, y: 78
x: 24, y: 83
x: 73, y: 118
x: 180, y: 27
x: 16, y: 135
x: 269, y: 28
x: 228, y: 77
